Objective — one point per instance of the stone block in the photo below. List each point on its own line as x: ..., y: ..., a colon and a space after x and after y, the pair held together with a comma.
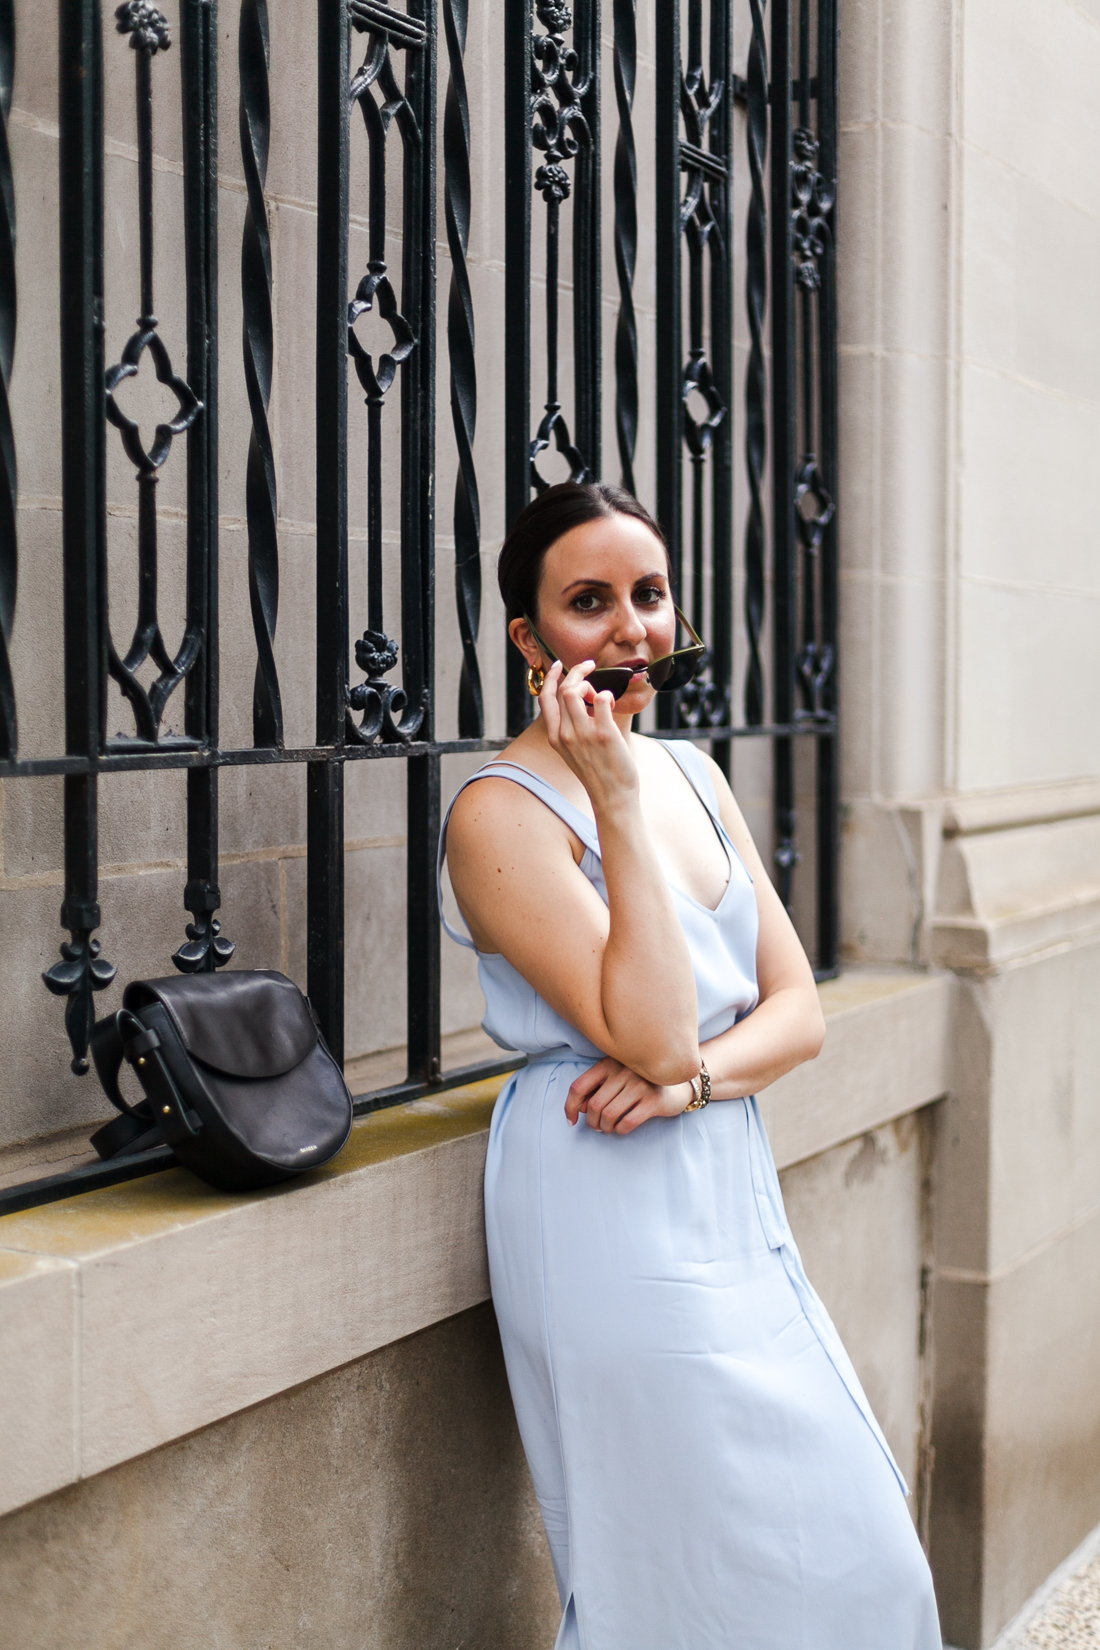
x: 960, y: 1333
x: 34, y: 92
x: 889, y: 861
x: 295, y: 287
x: 914, y: 239
x: 861, y: 63
x: 197, y: 1303
x: 988, y: 298
x: 261, y: 810
x: 1042, y: 1472
x: 917, y: 68
x: 911, y: 688
x: 38, y: 648
x: 1012, y: 48
x: 39, y: 1434
x: 859, y: 272
x: 963, y: 1142
x: 859, y: 659
x: 1056, y: 245
x: 386, y: 1505
x: 1027, y: 670
x: 35, y: 382
x: 1027, y: 455
x: 885, y: 1056
x: 374, y: 949
x: 860, y: 431
x: 913, y: 507
x: 1007, y: 894
x: 1046, y: 1083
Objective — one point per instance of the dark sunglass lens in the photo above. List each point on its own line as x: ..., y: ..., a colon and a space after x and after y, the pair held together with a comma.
x: 679, y: 668
x: 660, y: 670
x: 613, y: 680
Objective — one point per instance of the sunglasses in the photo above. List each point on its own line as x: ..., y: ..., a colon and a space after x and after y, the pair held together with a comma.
x: 673, y: 670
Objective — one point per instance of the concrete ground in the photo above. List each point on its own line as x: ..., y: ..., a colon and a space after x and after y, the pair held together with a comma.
x: 1065, y: 1613
x: 1071, y: 1621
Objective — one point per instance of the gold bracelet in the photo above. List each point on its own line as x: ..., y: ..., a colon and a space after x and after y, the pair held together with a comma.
x: 700, y: 1089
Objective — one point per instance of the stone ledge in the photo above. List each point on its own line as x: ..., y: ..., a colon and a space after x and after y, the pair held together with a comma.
x: 133, y: 1315
x: 1020, y: 805
x: 136, y: 1314
x: 886, y: 1053
x: 985, y: 944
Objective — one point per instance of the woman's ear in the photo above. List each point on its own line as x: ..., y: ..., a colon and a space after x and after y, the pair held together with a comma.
x: 520, y: 632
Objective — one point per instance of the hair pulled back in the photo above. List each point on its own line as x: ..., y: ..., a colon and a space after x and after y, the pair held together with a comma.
x: 548, y: 518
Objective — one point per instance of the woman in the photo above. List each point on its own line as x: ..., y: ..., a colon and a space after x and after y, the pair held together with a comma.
x: 708, y: 1468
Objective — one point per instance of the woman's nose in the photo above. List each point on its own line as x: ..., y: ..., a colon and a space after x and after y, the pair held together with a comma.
x: 629, y: 626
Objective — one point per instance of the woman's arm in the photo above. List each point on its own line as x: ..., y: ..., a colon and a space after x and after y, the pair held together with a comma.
x: 785, y: 1029
x: 620, y: 973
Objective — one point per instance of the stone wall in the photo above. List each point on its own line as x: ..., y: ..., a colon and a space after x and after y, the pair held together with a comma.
x: 383, y: 1506
x: 969, y: 238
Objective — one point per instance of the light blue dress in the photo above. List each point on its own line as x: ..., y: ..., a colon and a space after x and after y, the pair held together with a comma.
x: 708, y: 1467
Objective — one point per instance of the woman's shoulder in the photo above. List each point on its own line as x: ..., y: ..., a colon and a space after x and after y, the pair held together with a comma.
x: 496, y: 809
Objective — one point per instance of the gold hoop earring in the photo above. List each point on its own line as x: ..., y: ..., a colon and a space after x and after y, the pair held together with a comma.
x: 535, y: 679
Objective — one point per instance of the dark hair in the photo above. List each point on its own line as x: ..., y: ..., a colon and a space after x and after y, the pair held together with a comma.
x: 548, y: 518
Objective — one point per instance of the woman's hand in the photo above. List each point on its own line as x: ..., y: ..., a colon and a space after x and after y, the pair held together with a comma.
x: 616, y: 1100
x: 581, y: 729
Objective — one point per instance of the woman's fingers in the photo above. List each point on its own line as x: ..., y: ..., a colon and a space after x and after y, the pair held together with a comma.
x: 600, y: 1093
x: 614, y: 1097
x: 549, y: 704
x: 616, y: 1100
x: 586, y: 1085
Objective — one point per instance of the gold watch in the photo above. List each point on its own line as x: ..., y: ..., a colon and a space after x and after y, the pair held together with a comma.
x: 700, y: 1089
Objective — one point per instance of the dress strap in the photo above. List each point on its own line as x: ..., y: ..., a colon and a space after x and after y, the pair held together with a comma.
x: 695, y: 771
x: 689, y: 759
x: 567, y: 812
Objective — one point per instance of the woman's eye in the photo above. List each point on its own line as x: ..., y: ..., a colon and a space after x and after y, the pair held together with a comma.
x: 587, y: 602
x: 650, y: 597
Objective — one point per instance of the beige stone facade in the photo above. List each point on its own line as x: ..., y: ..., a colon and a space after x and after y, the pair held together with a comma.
x: 281, y: 1421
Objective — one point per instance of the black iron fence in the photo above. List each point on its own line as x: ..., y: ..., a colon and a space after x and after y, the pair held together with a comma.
x: 379, y: 64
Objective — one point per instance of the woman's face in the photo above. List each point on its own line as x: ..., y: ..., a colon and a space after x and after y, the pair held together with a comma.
x: 604, y: 595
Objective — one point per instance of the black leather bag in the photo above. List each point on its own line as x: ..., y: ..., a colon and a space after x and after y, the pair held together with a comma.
x: 237, y: 1077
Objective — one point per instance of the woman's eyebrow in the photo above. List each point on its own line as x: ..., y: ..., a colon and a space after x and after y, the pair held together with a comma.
x: 605, y: 584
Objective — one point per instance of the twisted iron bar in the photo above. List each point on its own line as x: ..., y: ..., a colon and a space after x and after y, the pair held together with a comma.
x: 812, y: 199
x: 626, y: 240
x: 388, y: 711
x: 460, y: 343
x: 756, y: 429
x: 149, y: 34
x: 702, y: 703
x: 261, y: 498
x: 8, y: 494
x: 559, y: 83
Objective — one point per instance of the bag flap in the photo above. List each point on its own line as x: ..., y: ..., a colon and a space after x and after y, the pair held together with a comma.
x: 249, y: 1023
